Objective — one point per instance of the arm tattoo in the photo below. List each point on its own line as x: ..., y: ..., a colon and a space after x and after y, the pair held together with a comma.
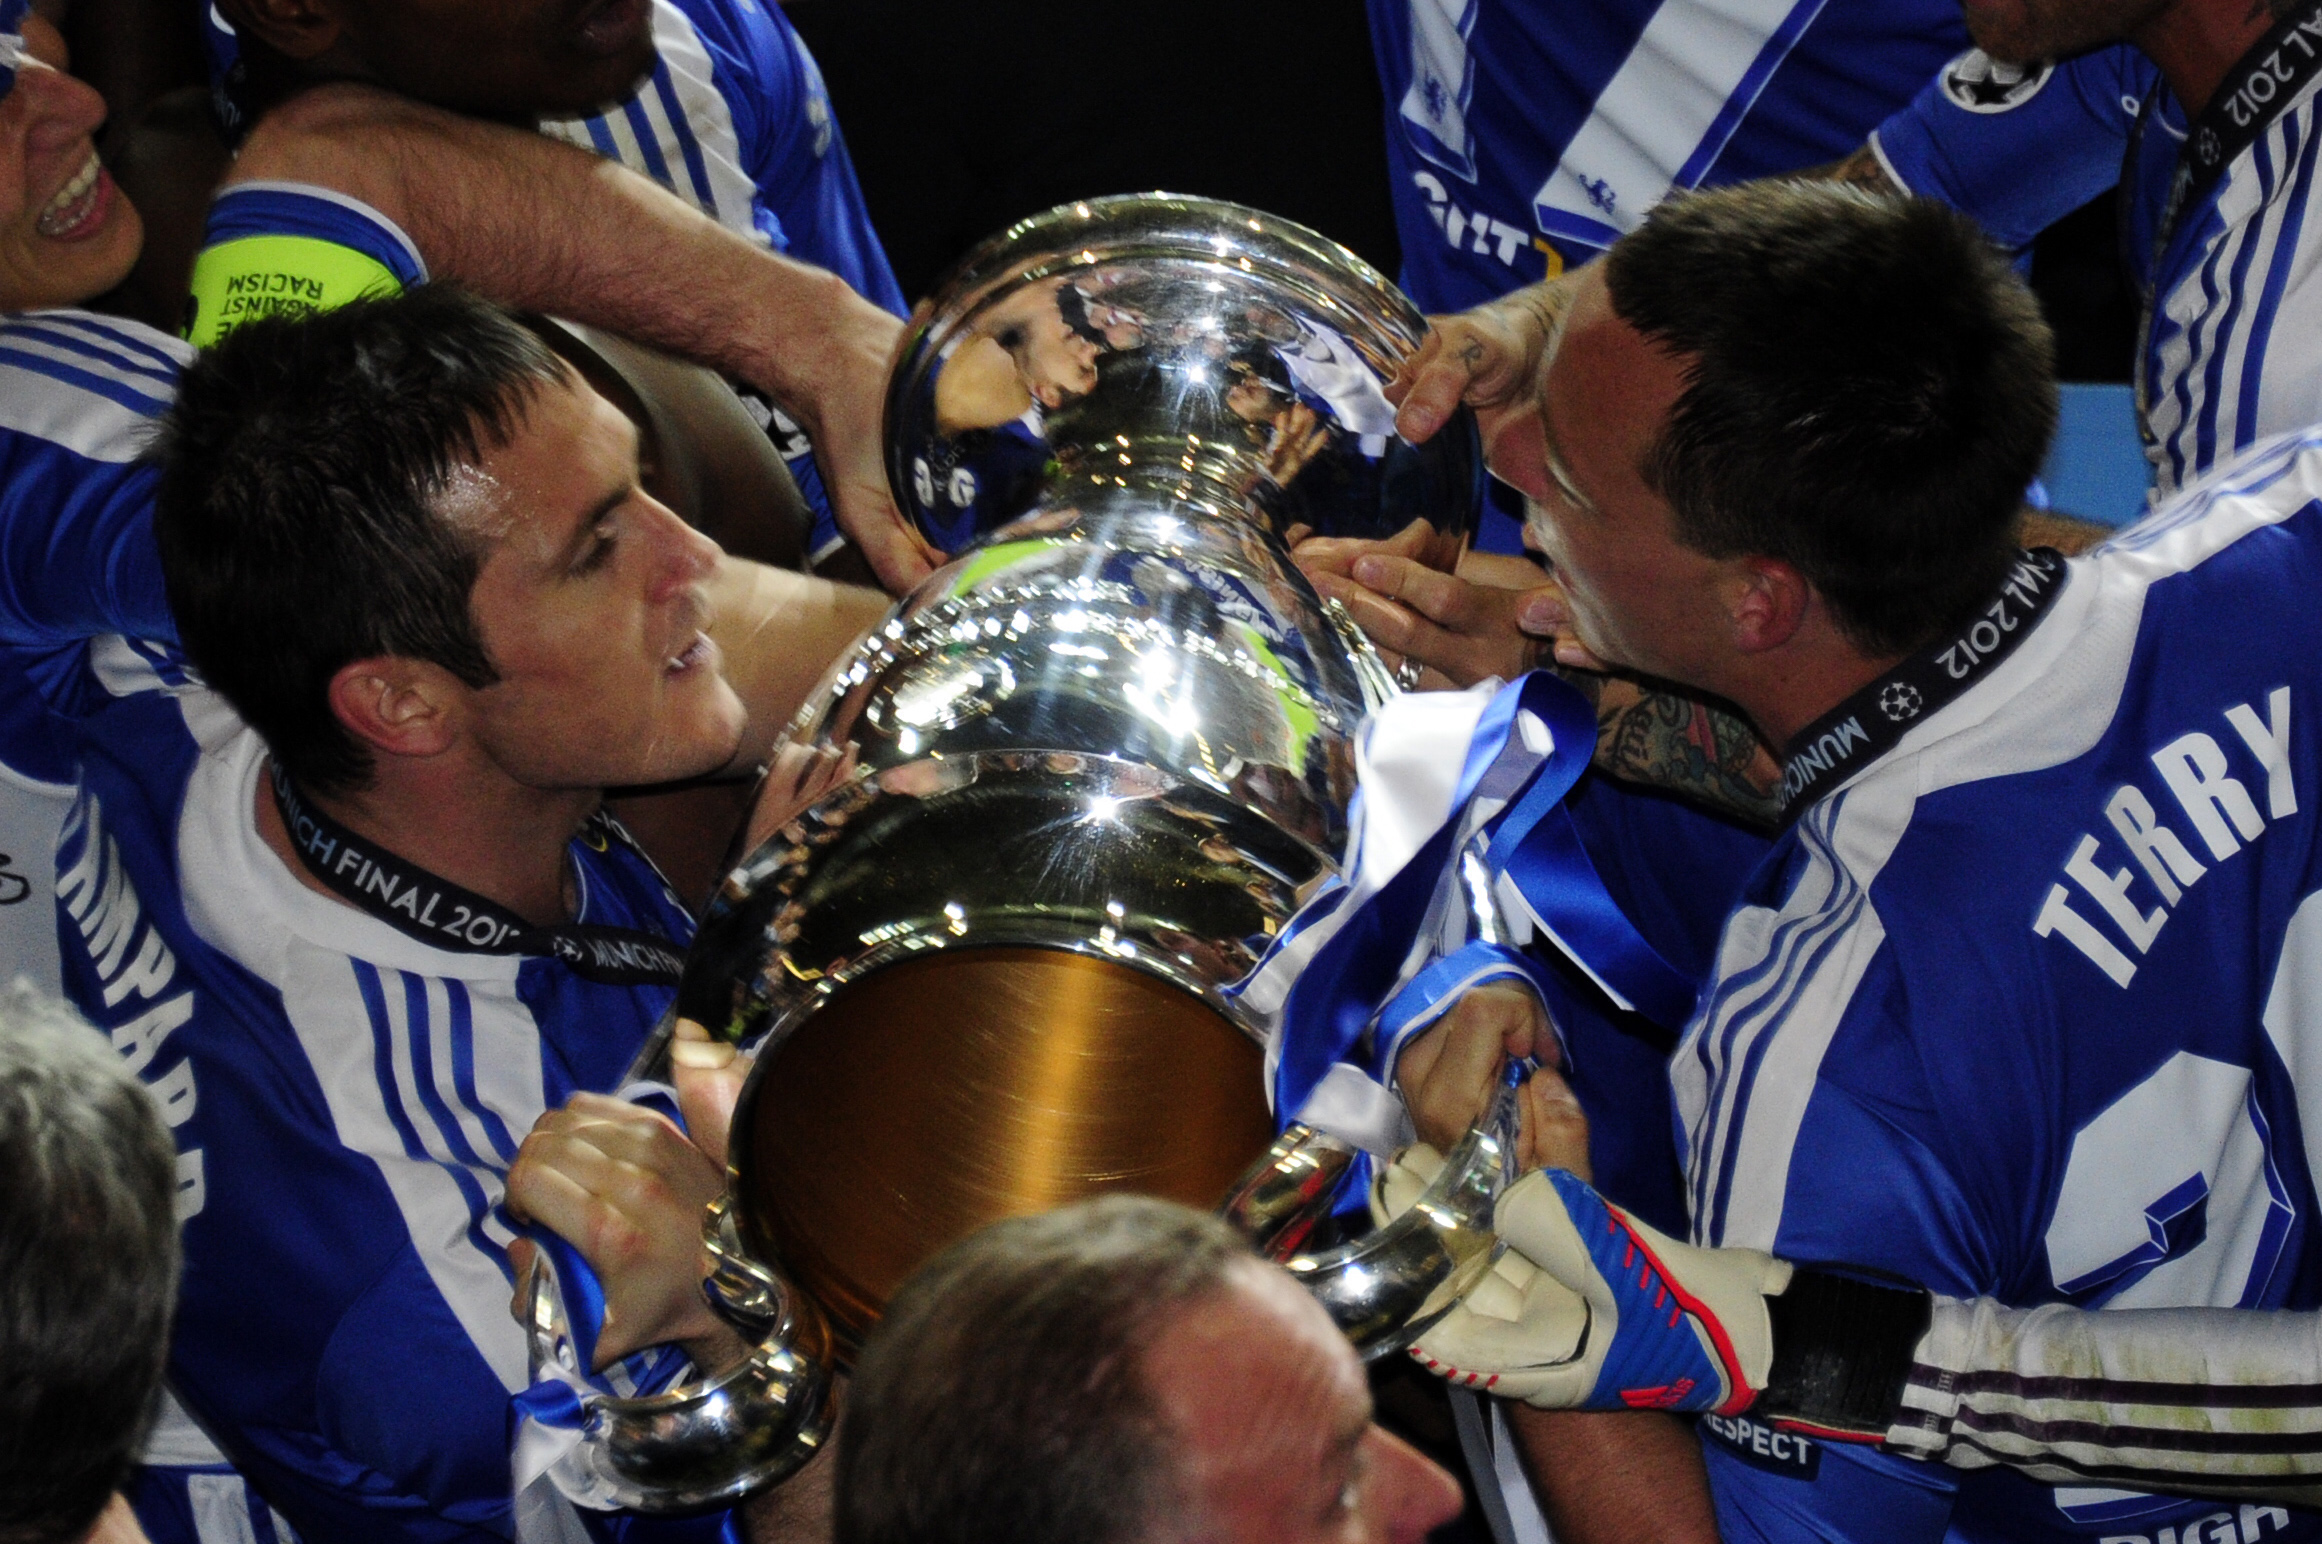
x: 1662, y: 738
x: 1547, y: 301
x: 1862, y: 169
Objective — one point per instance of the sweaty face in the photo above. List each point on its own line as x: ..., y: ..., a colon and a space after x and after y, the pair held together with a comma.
x: 1638, y: 596
x: 508, y: 59
x: 66, y: 233
x: 1273, y: 1424
x: 590, y: 602
x: 2022, y: 31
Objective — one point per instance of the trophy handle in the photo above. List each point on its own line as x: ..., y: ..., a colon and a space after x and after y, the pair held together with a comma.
x: 710, y: 1442
x: 1277, y: 1204
x: 1389, y: 1287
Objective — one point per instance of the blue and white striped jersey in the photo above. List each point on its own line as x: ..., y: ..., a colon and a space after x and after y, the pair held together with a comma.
x: 1525, y: 136
x: 736, y: 120
x: 78, y: 397
x: 2030, y: 1007
x: 345, y: 1101
x: 79, y: 394
x: 2234, y: 353
x: 1517, y: 128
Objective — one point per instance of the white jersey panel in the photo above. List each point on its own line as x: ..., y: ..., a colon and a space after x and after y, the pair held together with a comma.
x: 1653, y: 120
x: 678, y: 130
x: 370, y: 1004
x: 90, y: 384
x: 31, y: 815
x: 2235, y: 355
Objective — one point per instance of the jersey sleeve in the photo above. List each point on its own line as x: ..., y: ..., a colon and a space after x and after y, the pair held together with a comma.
x: 2017, y: 151
x: 2154, y: 1397
x: 80, y: 397
x: 77, y: 559
x: 790, y: 143
x: 1861, y: 1187
x: 291, y: 249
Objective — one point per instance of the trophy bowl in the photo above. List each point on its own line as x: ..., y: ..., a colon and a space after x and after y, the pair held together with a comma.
x: 1095, y: 764
x: 991, y: 954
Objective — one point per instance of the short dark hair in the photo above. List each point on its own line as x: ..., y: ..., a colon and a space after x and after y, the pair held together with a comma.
x: 296, y: 515
x: 1869, y: 390
x: 88, y: 1267
x: 1001, y: 1400
x: 1072, y: 305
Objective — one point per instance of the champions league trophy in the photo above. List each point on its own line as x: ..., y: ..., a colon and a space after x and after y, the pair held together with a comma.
x: 1088, y: 772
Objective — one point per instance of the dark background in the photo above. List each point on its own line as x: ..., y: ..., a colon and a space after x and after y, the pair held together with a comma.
x: 963, y: 118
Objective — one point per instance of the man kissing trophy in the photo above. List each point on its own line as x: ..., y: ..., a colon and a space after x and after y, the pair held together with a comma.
x: 1090, y: 773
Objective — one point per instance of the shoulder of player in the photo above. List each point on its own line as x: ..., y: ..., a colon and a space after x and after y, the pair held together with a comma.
x: 622, y: 887
x: 2064, y: 691
x: 2274, y: 484
x: 242, y: 899
x: 753, y: 49
x: 89, y: 385
x: 133, y: 343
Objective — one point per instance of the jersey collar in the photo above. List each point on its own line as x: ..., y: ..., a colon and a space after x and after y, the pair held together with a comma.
x: 1868, y: 724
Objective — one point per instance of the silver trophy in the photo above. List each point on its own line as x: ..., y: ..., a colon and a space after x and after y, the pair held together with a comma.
x: 1085, y: 774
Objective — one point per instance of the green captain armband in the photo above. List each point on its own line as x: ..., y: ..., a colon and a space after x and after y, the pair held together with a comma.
x: 253, y: 276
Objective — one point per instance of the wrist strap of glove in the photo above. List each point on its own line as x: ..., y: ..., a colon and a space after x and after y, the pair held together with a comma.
x: 1843, y: 1350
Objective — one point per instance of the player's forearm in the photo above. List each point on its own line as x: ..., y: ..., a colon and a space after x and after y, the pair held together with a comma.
x: 1615, y: 1477
x: 539, y: 225
x: 2211, y: 1401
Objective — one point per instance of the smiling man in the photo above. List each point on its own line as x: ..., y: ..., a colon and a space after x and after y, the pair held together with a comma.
x: 69, y: 233
x: 337, y: 884
x: 77, y: 392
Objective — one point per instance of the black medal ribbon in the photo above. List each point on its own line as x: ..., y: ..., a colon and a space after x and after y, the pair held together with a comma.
x: 1866, y: 725
x: 2255, y: 92
x: 443, y: 915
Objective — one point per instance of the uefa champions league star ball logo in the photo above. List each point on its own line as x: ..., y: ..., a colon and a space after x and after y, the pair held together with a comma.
x: 1981, y: 84
x: 567, y: 949
x: 2206, y: 148
x: 1901, y: 702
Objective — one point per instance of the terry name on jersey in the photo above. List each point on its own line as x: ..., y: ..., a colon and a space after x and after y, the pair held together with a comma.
x: 2216, y: 803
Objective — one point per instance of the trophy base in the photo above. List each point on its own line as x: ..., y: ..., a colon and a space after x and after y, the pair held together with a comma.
x: 945, y: 1092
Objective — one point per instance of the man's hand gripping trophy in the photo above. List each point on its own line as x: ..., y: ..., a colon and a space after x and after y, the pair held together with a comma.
x: 1588, y: 1308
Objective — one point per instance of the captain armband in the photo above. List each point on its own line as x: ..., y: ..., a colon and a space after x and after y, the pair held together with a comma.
x: 253, y: 276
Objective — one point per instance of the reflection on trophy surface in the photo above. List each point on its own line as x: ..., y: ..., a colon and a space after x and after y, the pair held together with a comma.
x: 1099, y: 760
x: 1089, y: 770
